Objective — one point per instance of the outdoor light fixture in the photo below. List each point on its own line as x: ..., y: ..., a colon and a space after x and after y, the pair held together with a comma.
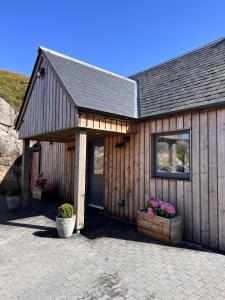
x: 126, y: 139
x: 70, y: 148
x: 41, y: 72
x: 36, y: 147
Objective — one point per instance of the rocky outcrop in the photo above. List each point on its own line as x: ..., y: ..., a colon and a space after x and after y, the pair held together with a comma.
x: 10, y: 146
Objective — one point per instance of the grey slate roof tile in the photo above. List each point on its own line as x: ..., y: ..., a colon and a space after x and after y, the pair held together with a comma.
x: 93, y: 88
x: 190, y: 81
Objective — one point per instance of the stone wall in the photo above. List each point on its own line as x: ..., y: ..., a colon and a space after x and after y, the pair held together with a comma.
x: 10, y: 147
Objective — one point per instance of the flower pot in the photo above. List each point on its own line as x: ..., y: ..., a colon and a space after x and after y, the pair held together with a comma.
x: 13, y: 202
x: 166, y: 230
x: 37, y: 194
x: 65, y: 226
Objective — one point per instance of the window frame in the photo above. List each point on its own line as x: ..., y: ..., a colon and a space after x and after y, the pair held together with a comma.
x: 161, y: 175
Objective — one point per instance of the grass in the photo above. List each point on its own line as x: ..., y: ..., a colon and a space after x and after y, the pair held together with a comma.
x: 13, y: 87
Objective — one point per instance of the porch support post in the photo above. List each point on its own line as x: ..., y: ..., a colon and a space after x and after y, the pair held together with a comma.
x: 80, y: 176
x: 25, y: 182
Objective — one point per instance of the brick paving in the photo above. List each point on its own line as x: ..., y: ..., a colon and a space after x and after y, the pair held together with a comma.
x: 109, y: 260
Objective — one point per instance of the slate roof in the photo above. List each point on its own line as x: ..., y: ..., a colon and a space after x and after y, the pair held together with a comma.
x: 94, y: 88
x: 190, y: 81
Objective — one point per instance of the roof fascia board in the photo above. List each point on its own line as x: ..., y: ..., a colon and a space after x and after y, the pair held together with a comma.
x: 62, y: 85
x: 103, y: 113
x: 183, y: 111
x: 31, y: 84
x: 28, y: 91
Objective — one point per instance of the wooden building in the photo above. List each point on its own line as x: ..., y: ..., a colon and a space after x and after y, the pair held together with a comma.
x: 111, y: 142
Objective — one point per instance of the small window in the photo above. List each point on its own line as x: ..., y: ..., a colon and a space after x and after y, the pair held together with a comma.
x: 172, y: 155
x: 98, y: 168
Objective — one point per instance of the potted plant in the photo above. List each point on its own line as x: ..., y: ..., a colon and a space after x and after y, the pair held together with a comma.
x: 40, y: 186
x: 13, y: 198
x: 65, y: 220
x: 159, y: 221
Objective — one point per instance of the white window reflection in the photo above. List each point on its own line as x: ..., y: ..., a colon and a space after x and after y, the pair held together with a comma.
x: 98, y: 168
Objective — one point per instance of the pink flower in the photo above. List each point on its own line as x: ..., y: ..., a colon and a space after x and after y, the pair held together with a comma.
x: 41, y: 182
x: 154, y: 203
x: 163, y: 206
x: 168, y: 208
x: 150, y: 212
x: 171, y: 210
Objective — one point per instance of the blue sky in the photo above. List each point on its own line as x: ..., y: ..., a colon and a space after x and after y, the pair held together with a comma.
x: 123, y: 36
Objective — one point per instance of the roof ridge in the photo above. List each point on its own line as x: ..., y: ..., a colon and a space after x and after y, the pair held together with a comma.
x: 210, y: 44
x: 85, y: 64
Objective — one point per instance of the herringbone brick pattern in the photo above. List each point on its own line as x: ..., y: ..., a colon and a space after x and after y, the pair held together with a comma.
x: 102, y: 263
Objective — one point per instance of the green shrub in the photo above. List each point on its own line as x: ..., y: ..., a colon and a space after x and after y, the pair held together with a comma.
x: 13, y: 191
x: 66, y: 210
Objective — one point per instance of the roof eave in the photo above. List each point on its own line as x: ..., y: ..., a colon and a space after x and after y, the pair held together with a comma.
x: 104, y: 113
x: 184, y: 110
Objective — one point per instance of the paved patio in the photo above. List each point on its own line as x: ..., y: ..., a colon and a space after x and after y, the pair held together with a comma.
x: 109, y: 260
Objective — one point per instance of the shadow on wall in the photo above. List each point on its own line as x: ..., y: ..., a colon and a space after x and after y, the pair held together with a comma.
x: 12, y: 178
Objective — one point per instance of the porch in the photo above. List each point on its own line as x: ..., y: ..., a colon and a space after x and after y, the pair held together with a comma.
x: 79, y: 173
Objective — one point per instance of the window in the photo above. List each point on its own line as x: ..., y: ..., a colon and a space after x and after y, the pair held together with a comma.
x: 172, y: 155
x: 98, y: 168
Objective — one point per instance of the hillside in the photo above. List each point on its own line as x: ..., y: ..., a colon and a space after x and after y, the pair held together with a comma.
x: 13, y: 87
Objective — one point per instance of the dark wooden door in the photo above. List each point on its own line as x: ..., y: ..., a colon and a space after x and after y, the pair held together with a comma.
x: 96, y: 174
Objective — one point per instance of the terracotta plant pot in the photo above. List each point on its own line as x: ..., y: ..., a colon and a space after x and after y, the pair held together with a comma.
x: 65, y: 226
x: 168, y: 231
x: 13, y: 202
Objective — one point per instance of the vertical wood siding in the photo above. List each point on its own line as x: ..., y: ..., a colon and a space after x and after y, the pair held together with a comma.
x: 49, y: 107
x: 128, y: 174
x: 57, y: 164
x: 200, y: 201
x: 94, y: 121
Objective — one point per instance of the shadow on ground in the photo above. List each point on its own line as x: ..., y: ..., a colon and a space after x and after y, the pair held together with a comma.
x: 97, y: 224
x: 34, y: 210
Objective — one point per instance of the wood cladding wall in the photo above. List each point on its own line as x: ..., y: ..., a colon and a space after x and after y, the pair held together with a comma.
x: 128, y: 174
x: 49, y: 107
x: 93, y: 121
x: 57, y: 164
x: 200, y: 201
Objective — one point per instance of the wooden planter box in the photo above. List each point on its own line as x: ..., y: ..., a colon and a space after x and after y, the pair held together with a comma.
x: 168, y: 231
x: 42, y: 195
x: 37, y: 194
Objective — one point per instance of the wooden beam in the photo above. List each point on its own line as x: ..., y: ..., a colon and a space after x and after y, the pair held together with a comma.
x: 25, y: 172
x: 80, y: 176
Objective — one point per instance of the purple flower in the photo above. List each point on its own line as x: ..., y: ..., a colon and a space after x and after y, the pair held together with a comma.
x: 41, y: 182
x: 154, y: 203
x: 150, y: 212
x: 171, y: 210
x: 168, y: 208
x: 163, y: 206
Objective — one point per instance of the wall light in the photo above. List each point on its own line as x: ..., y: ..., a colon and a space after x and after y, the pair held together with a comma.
x: 41, y: 73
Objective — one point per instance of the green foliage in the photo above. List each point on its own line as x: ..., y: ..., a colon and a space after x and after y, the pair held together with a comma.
x: 13, y: 191
x: 147, y: 205
x: 66, y: 210
x: 12, y: 88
